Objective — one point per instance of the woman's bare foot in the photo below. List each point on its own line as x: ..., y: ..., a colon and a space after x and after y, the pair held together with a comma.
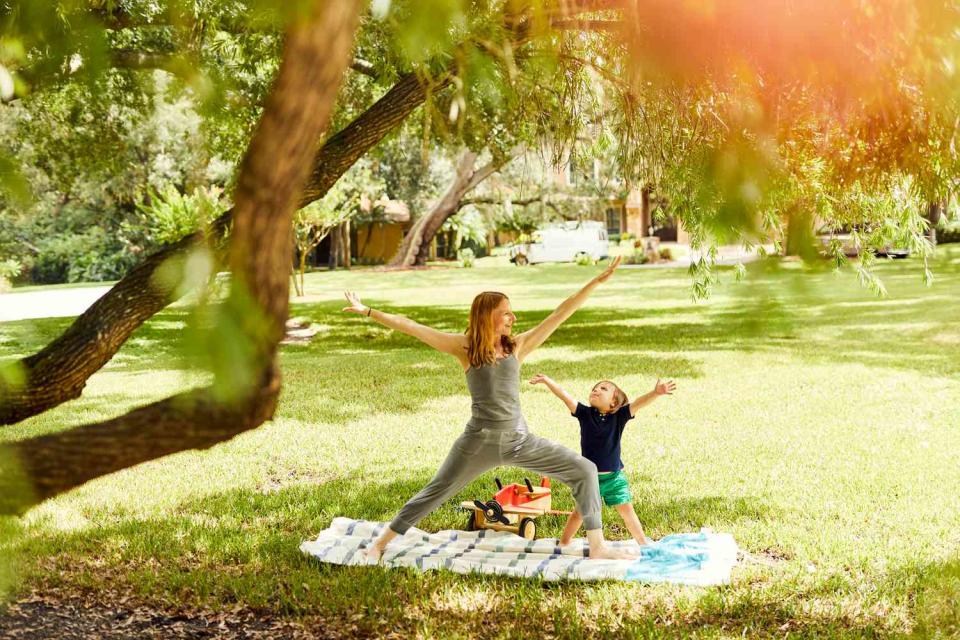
x: 599, y: 550
x: 374, y: 552
x: 608, y: 553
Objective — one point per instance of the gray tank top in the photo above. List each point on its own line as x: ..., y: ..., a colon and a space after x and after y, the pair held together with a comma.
x: 495, y: 392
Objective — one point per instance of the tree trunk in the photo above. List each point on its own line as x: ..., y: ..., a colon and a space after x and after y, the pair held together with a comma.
x: 800, y: 240
x: 410, y: 245
x: 934, y: 213
x: 646, y: 216
x: 415, y: 247
x: 345, y: 244
x: 333, y: 256
x: 448, y: 205
x: 270, y: 180
x: 303, y: 271
x: 59, y: 372
x: 362, y: 248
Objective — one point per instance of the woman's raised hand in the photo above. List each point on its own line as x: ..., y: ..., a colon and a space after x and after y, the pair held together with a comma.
x: 355, y: 305
x: 603, y: 277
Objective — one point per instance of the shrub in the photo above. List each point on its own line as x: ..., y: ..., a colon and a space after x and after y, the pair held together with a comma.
x: 91, y: 255
x: 584, y: 259
x: 950, y: 233
x: 465, y: 256
x: 666, y: 253
x: 637, y: 257
x: 614, y: 237
x: 169, y: 215
x: 9, y: 269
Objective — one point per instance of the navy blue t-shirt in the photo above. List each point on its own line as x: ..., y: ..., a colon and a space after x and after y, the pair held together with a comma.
x: 600, y: 435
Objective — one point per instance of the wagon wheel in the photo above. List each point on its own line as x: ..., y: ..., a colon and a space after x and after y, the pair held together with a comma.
x: 492, y: 511
x: 528, y: 529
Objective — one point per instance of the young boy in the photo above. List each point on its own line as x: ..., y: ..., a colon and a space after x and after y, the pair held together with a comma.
x: 601, y: 427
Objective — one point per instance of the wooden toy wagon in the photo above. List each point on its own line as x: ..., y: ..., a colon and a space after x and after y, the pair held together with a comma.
x: 513, y: 508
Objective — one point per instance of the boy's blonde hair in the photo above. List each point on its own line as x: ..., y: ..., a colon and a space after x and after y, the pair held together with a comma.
x: 619, y: 397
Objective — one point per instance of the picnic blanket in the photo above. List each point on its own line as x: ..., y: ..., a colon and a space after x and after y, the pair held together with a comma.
x: 703, y: 558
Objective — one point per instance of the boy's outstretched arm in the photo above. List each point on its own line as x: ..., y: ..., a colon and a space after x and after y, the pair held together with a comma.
x: 556, y: 389
x: 661, y: 389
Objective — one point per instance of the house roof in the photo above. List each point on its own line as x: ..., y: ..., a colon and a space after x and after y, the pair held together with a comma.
x: 395, y: 210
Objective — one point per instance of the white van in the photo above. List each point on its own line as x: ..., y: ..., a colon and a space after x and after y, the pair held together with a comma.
x: 563, y: 242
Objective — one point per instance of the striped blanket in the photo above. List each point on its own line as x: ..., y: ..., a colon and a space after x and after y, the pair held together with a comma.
x: 703, y: 558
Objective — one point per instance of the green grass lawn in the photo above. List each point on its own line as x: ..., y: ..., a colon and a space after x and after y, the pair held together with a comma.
x: 818, y: 424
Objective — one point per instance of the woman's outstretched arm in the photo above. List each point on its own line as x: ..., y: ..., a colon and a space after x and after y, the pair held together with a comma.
x: 451, y: 343
x: 530, y: 340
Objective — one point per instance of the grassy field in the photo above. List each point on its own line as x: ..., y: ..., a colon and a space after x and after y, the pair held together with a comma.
x: 818, y: 424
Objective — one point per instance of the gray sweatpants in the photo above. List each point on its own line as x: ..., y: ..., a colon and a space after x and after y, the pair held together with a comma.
x: 479, y: 449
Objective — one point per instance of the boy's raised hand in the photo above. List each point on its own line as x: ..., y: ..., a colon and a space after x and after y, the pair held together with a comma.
x: 539, y: 379
x: 665, y: 388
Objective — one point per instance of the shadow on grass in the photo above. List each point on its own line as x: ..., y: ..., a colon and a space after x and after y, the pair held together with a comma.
x: 241, y: 548
x: 934, y: 589
x: 354, y: 367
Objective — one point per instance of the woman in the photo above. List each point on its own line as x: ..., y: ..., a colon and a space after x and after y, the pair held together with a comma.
x: 497, y: 433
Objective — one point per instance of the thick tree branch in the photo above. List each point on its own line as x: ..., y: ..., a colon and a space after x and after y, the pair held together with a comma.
x: 271, y: 176
x: 343, y: 149
x: 490, y: 200
x: 58, y: 462
x: 365, y: 67
x: 59, y: 372
x: 485, y: 172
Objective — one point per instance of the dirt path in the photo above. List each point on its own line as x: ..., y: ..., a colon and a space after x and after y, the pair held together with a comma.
x: 75, y: 618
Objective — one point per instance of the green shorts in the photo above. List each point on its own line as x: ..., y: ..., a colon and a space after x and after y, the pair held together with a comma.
x: 614, y: 488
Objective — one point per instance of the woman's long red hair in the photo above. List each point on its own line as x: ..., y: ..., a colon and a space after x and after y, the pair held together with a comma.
x: 481, y: 341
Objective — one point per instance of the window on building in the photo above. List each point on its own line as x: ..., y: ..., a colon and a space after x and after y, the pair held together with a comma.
x: 613, y: 220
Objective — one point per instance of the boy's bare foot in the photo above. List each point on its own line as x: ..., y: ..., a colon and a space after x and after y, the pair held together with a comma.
x: 609, y: 553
